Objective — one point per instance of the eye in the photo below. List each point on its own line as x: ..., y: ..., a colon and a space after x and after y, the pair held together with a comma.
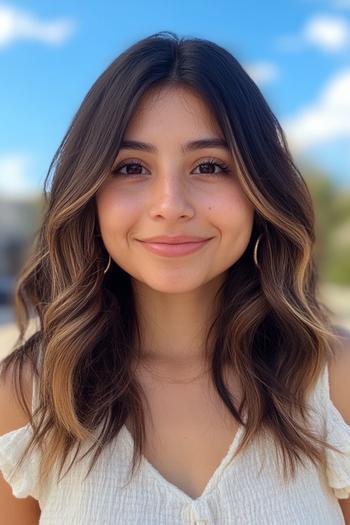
x: 134, y: 167
x: 134, y: 172
x: 210, y: 167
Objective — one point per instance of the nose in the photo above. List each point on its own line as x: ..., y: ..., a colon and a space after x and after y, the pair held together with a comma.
x: 171, y: 198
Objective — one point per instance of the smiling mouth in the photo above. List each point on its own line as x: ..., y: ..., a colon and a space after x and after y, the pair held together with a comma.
x: 178, y: 249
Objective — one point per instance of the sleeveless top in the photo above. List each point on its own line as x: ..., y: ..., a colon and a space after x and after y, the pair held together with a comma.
x: 238, y: 492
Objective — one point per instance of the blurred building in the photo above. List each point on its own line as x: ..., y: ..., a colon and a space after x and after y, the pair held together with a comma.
x: 18, y: 221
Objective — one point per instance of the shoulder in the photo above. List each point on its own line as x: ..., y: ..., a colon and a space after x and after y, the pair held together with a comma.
x: 339, y: 390
x: 13, y: 417
x: 13, y: 414
x: 339, y: 374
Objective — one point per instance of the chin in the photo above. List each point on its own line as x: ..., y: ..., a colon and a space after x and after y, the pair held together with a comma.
x: 175, y: 286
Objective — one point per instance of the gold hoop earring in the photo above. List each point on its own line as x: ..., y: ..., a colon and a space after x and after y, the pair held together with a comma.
x: 256, y: 251
x: 108, y: 265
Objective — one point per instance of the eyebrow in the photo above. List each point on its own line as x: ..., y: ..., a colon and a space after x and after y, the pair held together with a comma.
x: 189, y: 146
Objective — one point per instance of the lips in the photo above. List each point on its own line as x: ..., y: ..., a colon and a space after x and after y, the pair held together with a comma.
x: 179, y: 239
x: 174, y: 249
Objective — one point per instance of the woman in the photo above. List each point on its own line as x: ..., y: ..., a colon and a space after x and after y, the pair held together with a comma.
x: 180, y: 329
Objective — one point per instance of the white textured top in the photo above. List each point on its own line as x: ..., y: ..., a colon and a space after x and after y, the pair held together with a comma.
x: 235, y: 494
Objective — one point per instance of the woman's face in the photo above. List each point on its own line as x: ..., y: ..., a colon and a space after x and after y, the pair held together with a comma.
x: 169, y: 190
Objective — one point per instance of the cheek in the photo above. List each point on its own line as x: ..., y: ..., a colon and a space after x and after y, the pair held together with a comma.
x: 233, y: 216
x: 116, y: 212
x: 232, y: 211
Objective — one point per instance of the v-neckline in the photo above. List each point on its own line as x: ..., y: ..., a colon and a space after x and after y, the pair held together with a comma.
x: 177, y: 491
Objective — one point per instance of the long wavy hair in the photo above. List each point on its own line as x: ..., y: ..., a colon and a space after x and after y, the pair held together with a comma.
x: 270, y: 327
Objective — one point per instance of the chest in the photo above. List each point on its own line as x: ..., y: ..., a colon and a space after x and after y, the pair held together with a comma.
x: 189, y: 431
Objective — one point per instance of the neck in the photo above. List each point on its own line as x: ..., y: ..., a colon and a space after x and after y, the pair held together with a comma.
x: 174, y: 327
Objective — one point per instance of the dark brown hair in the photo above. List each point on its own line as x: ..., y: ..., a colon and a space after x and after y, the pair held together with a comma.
x: 271, y: 327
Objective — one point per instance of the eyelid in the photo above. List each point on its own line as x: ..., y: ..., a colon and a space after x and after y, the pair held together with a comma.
x: 208, y: 159
x: 212, y: 160
x: 122, y: 163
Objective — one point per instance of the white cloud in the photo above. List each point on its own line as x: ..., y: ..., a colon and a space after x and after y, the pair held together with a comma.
x: 329, y: 33
x: 14, y: 175
x: 262, y: 72
x: 17, y: 24
x: 326, y: 120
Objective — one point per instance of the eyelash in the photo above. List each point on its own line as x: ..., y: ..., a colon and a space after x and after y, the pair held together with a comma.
x: 212, y: 162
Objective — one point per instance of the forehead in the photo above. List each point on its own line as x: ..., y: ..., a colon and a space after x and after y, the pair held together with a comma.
x: 172, y: 110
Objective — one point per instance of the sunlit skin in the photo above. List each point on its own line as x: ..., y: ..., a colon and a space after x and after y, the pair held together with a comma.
x: 174, y: 192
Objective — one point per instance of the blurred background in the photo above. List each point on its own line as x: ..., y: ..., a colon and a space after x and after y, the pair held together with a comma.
x: 297, y: 51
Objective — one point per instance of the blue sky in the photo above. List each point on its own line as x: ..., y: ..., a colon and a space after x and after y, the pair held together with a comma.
x: 298, y: 53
